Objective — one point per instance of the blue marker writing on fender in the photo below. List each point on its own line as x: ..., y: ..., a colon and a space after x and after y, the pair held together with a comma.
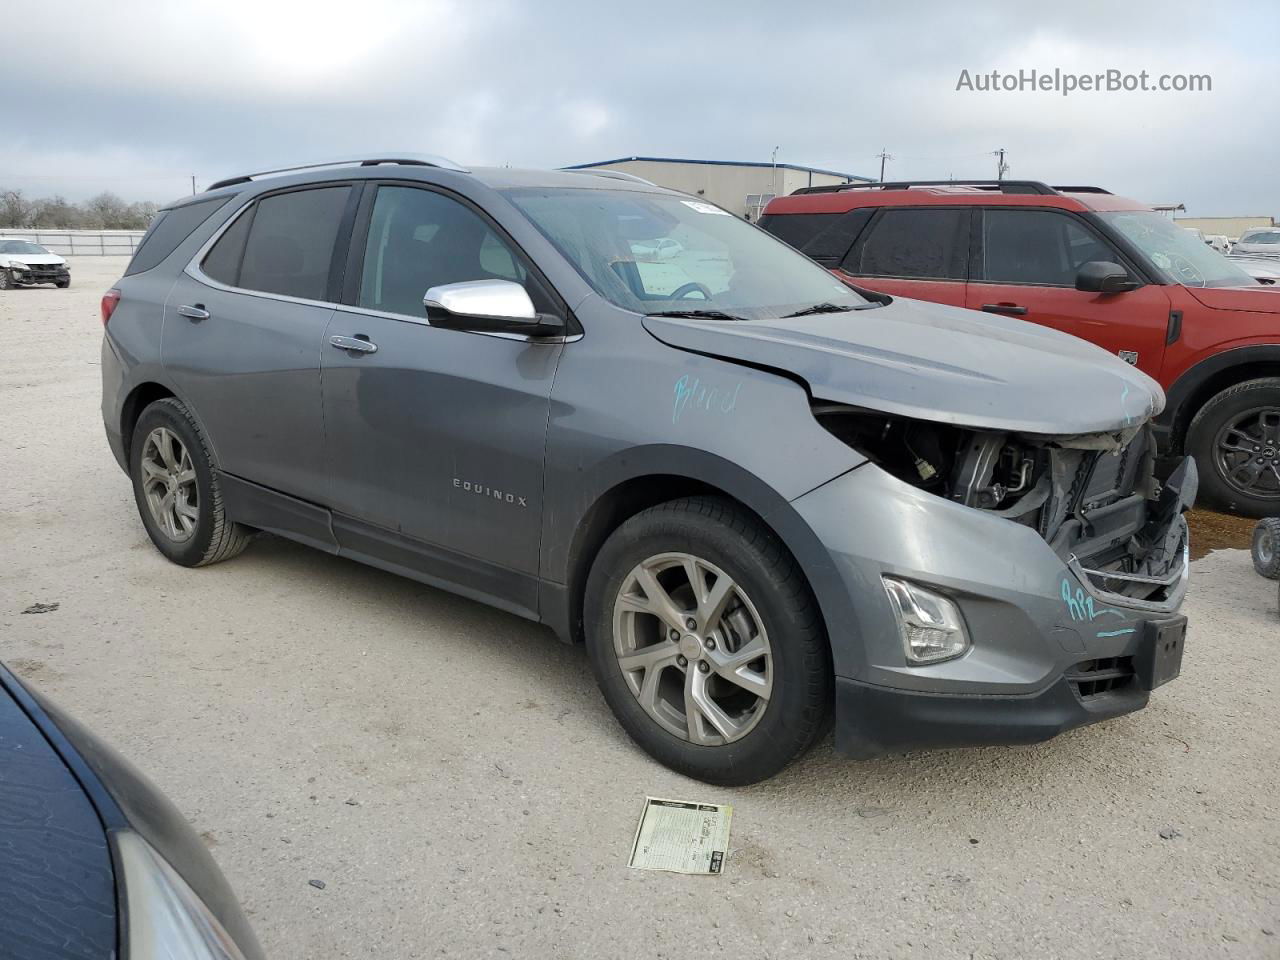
x: 694, y: 394
x: 1116, y: 633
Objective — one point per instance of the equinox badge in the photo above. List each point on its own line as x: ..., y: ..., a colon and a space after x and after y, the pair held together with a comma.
x: 481, y: 490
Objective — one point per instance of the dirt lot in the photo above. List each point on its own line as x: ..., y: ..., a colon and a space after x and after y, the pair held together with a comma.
x: 451, y: 775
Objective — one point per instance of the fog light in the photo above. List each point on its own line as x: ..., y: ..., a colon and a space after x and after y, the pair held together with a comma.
x: 931, y: 627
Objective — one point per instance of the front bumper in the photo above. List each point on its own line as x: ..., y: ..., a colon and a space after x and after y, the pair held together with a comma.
x: 1038, y: 623
x: 51, y: 273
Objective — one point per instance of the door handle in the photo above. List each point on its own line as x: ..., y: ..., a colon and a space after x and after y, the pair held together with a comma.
x: 1012, y: 309
x: 193, y: 313
x: 357, y: 344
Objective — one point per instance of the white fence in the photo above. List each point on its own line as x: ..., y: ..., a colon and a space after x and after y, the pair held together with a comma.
x: 82, y: 243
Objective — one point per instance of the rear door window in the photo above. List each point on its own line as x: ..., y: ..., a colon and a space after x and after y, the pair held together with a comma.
x: 913, y: 244
x: 284, y: 245
x: 1036, y: 247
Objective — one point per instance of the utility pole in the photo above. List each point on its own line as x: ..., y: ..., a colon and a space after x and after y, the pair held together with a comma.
x: 773, y: 176
x: 1001, y: 167
x: 193, y: 184
x: 883, y: 155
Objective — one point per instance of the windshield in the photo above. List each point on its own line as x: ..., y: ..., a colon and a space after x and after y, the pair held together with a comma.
x: 656, y: 253
x: 1261, y: 238
x: 1178, y: 253
x: 21, y: 246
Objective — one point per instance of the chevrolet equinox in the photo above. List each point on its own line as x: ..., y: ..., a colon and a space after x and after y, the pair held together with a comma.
x: 762, y: 497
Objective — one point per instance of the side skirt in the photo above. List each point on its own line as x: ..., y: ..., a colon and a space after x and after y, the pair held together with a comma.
x: 266, y: 509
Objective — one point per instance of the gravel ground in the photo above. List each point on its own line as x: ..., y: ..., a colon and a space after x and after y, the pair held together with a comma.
x: 451, y: 775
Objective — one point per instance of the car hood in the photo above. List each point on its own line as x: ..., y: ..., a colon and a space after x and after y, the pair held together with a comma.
x: 939, y: 363
x: 30, y: 258
x: 1259, y: 299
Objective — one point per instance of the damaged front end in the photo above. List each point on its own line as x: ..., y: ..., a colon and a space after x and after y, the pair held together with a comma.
x: 1094, y: 498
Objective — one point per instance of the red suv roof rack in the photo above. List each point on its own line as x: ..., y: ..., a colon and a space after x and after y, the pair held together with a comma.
x: 1001, y: 186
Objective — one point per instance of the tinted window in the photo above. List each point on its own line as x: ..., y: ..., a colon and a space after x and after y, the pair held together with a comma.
x: 1037, y: 247
x: 419, y: 239
x: 917, y: 244
x: 169, y: 229
x: 222, y: 262
x: 824, y: 236
x: 290, y: 243
x: 796, y: 229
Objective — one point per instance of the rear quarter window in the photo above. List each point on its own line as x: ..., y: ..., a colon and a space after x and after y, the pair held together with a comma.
x: 826, y: 237
x: 168, y: 229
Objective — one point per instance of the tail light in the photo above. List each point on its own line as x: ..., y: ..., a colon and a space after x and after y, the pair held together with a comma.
x: 109, y: 301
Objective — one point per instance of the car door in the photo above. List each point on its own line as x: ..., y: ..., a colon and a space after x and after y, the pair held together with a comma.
x: 918, y: 252
x: 1024, y: 264
x: 435, y: 437
x: 243, y: 330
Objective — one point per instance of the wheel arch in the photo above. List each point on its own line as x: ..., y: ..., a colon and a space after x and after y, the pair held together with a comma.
x: 638, y: 490
x: 138, y: 399
x: 1206, y: 379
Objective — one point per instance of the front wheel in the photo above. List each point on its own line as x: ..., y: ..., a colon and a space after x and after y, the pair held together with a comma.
x: 1235, y: 439
x: 62, y: 284
x: 6, y: 280
x: 177, y: 490
x: 707, y: 643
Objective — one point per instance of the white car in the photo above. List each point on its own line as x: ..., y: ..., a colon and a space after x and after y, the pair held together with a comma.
x: 1263, y: 242
x: 24, y: 263
x: 1263, y: 269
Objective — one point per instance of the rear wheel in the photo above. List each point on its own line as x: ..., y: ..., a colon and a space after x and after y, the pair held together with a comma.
x: 177, y: 490
x: 707, y: 642
x: 1235, y: 439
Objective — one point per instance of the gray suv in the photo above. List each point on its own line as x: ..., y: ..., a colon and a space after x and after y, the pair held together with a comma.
x: 765, y: 500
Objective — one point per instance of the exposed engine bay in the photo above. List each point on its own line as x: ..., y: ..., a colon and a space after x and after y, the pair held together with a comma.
x: 1094, y: 497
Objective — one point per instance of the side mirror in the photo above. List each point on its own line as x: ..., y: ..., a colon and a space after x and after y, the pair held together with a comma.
x: 1101, y: 276
x: 488, y: 306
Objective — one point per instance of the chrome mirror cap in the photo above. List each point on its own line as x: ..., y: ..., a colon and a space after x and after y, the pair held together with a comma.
x: 502, y: 299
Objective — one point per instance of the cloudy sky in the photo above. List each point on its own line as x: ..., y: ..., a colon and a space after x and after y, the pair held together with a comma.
x: 135, y: 96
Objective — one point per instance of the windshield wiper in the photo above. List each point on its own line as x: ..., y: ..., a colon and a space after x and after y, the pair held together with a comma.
x: 829, y: 308
x: 696, y: 314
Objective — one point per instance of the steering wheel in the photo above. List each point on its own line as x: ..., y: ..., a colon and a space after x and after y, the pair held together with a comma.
x: 1186, y: 270
x: 682, y: 292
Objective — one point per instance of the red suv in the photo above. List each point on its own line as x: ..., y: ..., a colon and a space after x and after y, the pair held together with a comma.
x: 1084, y: 261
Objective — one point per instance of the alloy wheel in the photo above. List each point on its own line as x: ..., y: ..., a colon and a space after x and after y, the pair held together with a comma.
x: 693, y: 649
x: 169, y: 484
x: 1247, y: 451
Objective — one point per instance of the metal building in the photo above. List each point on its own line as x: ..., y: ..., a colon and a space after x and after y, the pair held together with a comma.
x: 741, y: 187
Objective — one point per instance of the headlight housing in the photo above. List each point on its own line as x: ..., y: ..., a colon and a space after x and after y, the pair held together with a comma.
x: 164, y: 916
x: 14, y: 265
x: 930, y: 624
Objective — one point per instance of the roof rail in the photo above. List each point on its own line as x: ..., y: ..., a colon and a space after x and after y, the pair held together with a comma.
x: 1001, y: 186
x: 408, y: 160
x: 1081, y: 189
x: 614, y: 175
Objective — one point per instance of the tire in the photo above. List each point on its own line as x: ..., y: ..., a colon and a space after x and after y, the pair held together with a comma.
x: 769, y: 607
x: 6, y: 280
x: 191, y: 541
x: 1266, y: 548
x: 62, y: 284
x: 1255, y: 406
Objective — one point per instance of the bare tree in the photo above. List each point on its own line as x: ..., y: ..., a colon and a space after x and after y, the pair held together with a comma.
x: 15, y: 209
x: 106, y: 211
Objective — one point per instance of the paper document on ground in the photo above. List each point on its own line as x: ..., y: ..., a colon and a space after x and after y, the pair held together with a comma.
x: 681, y: 837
